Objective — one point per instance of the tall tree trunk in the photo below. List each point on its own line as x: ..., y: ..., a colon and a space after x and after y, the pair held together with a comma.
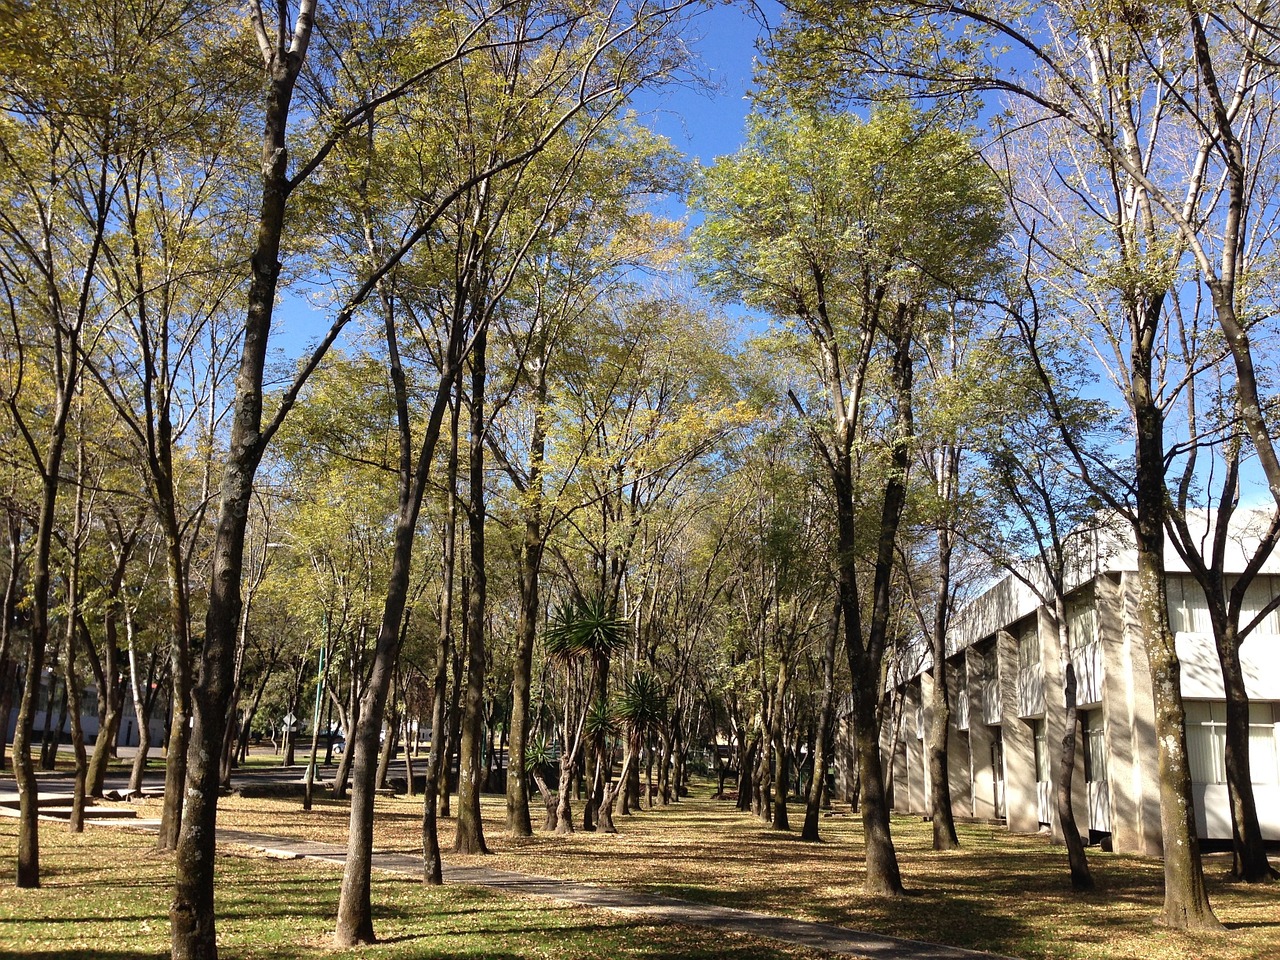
x: 179, y: 676
x: 342, y: 775
x: 944, y: 824
x: 518, y: 824
x: 390, y: 737
x: 781, y: 781
x: 1186, y: 900
x: 142, y: 705
x: 52, y: 737
x: 865, y: 651
x: 1081, y: 877
x: 438, y: 757
x: 822, y: 739
x: 28, y: 874
x: 8, y: 621
x: 71, y: 675
x: 109, y: 727
x: 193, y: 935
x: 746, y: 768
x: 355, y: 909
x: 564, y: 810
x: 1248, y: 849
x: 75, y: 693
x: 469, y: 832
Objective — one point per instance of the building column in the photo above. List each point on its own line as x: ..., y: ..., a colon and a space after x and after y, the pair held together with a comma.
x: 1129, y: 716
x: 981, y: 775
x: 958, y: 740
x: 1019, y: 744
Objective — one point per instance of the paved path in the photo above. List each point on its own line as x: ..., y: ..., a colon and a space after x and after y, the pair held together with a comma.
x: 819, y: 936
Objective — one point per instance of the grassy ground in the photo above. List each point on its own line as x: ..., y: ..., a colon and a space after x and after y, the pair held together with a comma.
x: 105, y: 896
x: 1003, y: 893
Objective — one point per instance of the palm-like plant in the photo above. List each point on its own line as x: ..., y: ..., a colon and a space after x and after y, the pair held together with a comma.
x: 642, y: 706
x: 587, y: 627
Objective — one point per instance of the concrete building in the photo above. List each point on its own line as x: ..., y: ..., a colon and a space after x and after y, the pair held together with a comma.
x: 127, y: 736
x: 1005, y: 688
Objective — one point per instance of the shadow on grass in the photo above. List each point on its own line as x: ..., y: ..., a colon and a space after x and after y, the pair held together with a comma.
x: 83, y: 954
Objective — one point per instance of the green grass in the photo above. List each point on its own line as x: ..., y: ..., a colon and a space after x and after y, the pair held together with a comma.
x: 105, y: 896
x: 1004, y: 893
x: 1000, y: 892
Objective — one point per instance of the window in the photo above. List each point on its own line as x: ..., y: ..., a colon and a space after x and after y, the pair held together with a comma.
x: 991, y: 664
x: 1259, y: 593
x: 1188, y: 611
x: 1042, y: 750
x: 1264, y: 742
x: 1082, y: 623
x: 1095, y: 747
x: 1029, y: 648
x: 1207, y: 741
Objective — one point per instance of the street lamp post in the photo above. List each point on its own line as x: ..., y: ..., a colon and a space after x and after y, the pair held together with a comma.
x: 322, y: 669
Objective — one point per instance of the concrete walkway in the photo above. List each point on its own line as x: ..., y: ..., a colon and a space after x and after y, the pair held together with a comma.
x: 658, y: 909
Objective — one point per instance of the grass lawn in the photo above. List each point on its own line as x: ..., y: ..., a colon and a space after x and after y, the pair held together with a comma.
x: 1000, y: 892
x: 105, y: 896
x: 1003, y: 893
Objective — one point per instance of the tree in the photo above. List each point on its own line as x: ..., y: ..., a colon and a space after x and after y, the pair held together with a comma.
x: 1037, y: 516
x: 845, y: 233
x: 1130, y: 96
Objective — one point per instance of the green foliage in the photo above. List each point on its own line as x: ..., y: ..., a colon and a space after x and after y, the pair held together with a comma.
x: 587, y: 627
x: 641, y: 705
x: 817, y: 207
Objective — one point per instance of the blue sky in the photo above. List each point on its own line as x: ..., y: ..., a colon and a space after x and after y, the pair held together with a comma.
x: 709, y: 123
x: 704, y: 121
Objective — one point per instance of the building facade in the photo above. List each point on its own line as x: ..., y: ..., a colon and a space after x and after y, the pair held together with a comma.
x: 1005, y: 689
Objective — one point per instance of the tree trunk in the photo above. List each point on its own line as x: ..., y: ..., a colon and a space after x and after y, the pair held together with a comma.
x: 564, y: 811
x: 1249, y: 850
x: 75, y: 694
x: 180, y: 681
x: 822, y: 739
x: 112, y: 685
x: 1081, y: 877
x: 52, y: 738
x: 438, y: 757
x: 746, y: 768
x: 469, y: 830
x: 518, y: 824
x: 780, y: 821
x: 865, y: 651
x: 342, y: 775
x: 192, y: 912
x: 944, y: 825
x: 548, y: 801
x: 390, y: 736
x: 142, y: 705
x: 355, y: 910
x: 1186, y: 901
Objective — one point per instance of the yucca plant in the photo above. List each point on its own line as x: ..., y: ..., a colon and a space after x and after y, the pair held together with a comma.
x: 642, y: 706
x: 588, y: 627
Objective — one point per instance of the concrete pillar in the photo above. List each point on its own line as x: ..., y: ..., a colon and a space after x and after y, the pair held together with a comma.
x: 1129, y: 717
x: 846, y: 759
x: 958, y: 741
x: 1051, y: 654
x: 1019, y: 744
x: 980, y: 737
x: 917, y: 771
